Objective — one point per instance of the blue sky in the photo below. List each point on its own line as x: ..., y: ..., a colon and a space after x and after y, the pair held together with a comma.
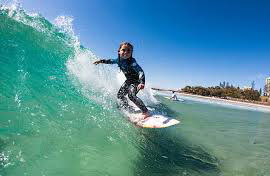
x: 177, y: 43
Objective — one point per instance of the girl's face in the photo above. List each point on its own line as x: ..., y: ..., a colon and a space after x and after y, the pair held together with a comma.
x: 125, y: 52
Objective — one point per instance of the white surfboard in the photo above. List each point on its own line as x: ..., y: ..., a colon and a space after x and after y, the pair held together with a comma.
x: 154, y: 121
x: 157, y: 121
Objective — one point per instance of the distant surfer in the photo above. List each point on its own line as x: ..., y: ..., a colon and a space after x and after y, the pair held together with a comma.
x: 135, y: 79
x: 174, y: 97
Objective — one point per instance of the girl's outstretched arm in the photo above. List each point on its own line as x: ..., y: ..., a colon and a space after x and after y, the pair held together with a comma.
x: 103, y: 61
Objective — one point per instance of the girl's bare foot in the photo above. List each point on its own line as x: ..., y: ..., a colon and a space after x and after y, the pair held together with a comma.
x: 146, y: 115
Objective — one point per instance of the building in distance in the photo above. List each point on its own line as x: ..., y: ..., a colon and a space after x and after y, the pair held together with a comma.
x: 267, y: 87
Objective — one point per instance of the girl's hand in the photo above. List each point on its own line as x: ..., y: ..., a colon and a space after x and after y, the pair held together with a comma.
x: 97, y: 62
x: 140, y: 86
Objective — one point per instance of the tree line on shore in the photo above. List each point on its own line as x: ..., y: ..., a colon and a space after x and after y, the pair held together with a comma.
x: 224, y: 91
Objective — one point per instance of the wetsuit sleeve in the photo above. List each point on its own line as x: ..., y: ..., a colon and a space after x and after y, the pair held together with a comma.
x: 140, y: 72
x: 109, y: 61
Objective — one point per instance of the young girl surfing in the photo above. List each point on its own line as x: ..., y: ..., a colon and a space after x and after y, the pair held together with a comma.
x: 135, y: 79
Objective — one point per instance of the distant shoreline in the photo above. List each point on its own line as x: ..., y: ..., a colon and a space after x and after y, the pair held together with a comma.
x: 217, y: 99
x: 249, y: 104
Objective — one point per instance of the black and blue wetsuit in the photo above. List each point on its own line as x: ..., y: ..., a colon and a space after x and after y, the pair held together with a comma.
x: 135, y: 76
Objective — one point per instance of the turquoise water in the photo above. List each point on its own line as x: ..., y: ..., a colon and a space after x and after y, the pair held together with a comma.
x: 58, y: 115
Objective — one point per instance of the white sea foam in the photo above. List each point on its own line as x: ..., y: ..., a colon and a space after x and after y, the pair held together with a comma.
x: 65, y: 25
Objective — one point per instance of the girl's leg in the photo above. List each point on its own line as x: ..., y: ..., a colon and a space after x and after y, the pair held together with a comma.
x: 123, y: 91
x: 132, y: 91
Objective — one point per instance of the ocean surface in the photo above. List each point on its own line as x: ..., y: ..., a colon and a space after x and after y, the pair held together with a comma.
x: 59, y: 116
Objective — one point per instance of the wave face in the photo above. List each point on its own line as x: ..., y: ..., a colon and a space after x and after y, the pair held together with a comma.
x: 58, y: 112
